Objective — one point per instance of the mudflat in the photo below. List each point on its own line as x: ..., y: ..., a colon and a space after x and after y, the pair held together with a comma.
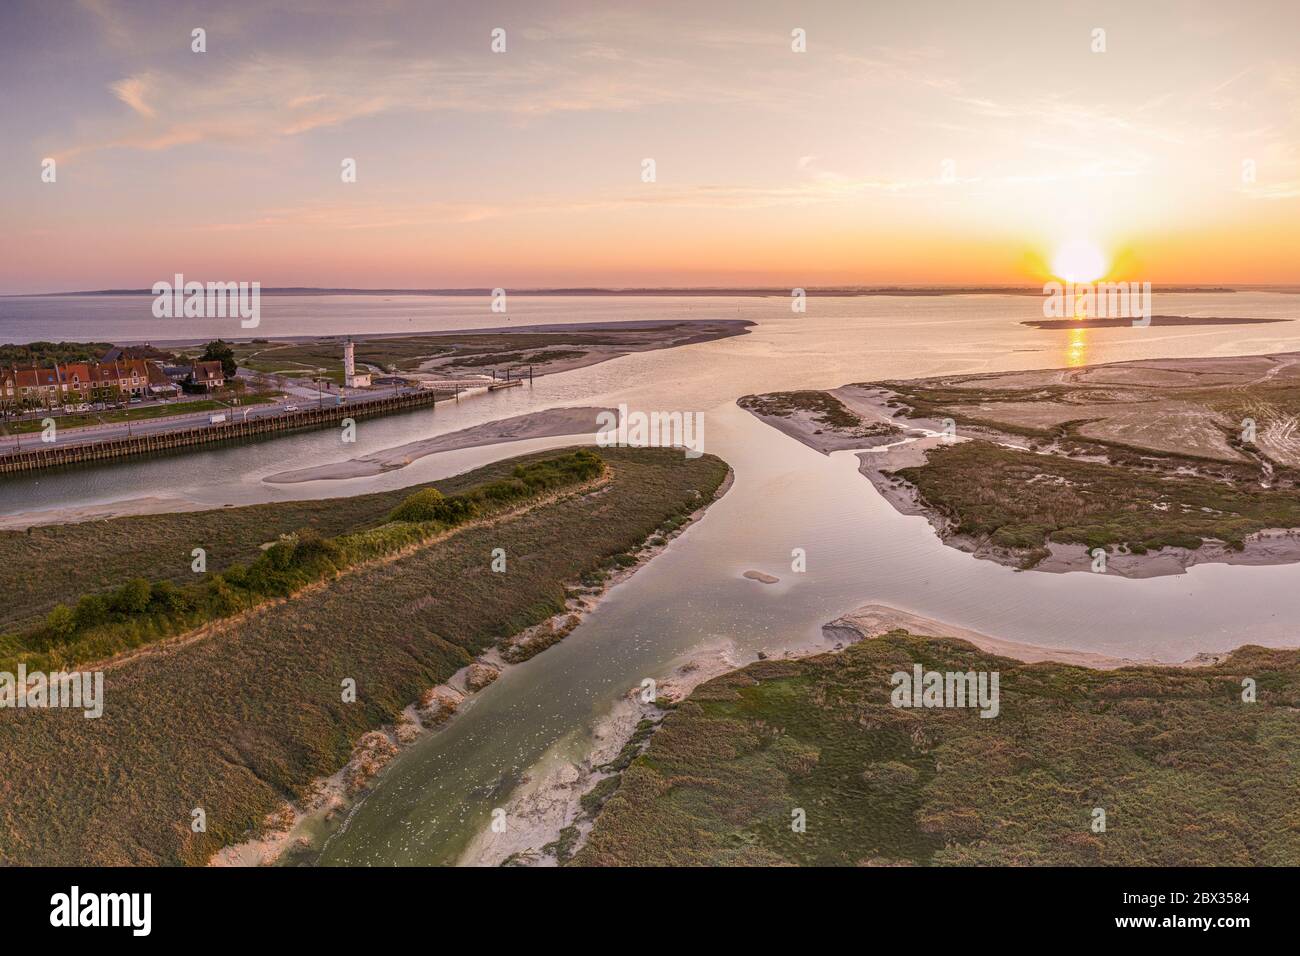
x: 1137, y: 469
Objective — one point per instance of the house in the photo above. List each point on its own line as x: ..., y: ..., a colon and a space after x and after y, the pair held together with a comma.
x: 205, y: 376
x: 69, y: 383
x: 160, y: 383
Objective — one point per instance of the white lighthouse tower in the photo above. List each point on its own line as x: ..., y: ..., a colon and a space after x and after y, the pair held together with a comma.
x: 350, y: 377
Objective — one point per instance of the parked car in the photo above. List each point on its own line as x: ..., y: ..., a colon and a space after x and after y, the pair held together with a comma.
x: 218, y: 419
x: 291, y: 408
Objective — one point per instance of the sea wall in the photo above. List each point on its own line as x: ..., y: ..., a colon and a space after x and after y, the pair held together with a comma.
x: 72, y: 453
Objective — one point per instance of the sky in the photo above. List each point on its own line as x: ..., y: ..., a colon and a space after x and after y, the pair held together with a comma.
x: 908, y: 143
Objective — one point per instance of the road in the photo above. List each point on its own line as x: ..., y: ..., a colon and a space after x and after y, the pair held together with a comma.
x: 94, y: 434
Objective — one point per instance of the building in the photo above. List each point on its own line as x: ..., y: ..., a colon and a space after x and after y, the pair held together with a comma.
x: 206, y: 376
x: 351, y: 378
x: 160, y: 383
x: 74, y: 383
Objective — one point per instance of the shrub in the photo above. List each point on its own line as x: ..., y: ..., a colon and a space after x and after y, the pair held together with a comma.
x: 131, y: 598
x: 60, y: 622
x: 423, y: 505
x: 91, y: 610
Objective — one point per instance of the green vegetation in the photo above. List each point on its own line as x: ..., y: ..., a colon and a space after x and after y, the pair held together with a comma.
x: 429, y: 504
x: 47, y: 353
x: 824, y: 408
x: 249, y: 715
x: 1187, y: 773
x: 51, y: 566
x: 562, y: 847
x: 140, y: 611
x: 1021, y: 500
x: 220, y: 351
x: 632, y: 749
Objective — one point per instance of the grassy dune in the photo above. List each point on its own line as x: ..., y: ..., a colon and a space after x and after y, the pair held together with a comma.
x: 1186, y: 772
x: 56, y: 564
x: 143, y: 612
x: 248, y: 716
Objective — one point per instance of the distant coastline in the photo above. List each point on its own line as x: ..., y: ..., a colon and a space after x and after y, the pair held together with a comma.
x: 746, y: 291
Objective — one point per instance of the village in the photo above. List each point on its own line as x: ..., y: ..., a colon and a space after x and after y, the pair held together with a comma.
x: 116, y: 380
x: 62, y: 407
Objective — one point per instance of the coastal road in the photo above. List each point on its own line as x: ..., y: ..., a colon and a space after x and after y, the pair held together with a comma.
x: 94, y: 434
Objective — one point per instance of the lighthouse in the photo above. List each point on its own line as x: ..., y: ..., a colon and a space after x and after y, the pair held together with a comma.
x: 350, y: 377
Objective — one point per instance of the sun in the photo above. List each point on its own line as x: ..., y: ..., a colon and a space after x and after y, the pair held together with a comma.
x: 1079, y: 261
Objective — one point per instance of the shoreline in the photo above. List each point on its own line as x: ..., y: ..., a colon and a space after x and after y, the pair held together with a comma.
x: 77, y: 514
x: 549, y: 801
x: 290, y: 828
x: 548, y: 423
x: 730, y: 327
x: 879, y: 459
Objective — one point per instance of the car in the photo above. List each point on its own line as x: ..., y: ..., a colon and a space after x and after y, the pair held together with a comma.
x: 291, y: 408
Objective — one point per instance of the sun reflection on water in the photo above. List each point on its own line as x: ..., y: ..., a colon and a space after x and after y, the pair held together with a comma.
x: 1076, y: 352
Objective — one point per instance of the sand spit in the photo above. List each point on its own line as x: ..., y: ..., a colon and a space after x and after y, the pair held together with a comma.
x: 800, y: 424
x: 297, y: 826
x: 551, y: 422
x: 75, y: 514
x: 1163, y: 320
x: 873, y: 620
x: 638, y: 336
x: 878, y: 461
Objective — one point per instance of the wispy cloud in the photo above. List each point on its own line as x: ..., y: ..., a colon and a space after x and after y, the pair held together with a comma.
x: 133, y: 90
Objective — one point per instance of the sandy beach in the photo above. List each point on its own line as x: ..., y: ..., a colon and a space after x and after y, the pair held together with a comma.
x: 873, y: 620
x: 549, y: 423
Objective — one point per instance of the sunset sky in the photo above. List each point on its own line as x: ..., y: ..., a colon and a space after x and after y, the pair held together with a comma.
x: 525, y: 168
